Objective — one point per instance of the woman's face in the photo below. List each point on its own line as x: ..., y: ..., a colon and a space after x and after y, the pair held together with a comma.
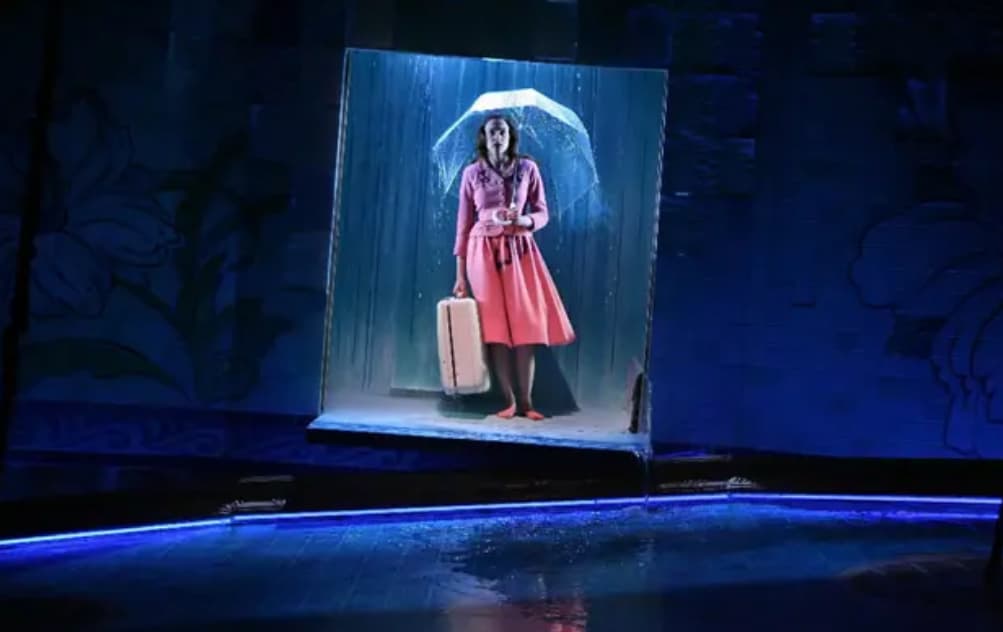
x: 497, y: 134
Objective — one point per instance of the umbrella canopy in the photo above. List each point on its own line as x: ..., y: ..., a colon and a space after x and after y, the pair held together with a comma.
x: 550, y: 132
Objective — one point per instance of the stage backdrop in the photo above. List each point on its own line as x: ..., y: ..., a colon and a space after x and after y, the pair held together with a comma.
x: 408, y: 132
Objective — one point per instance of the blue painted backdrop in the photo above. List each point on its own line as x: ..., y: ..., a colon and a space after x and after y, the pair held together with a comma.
x: 827, y: 279
x: 830, y: 283
x: 175, y: 260
x: 397, y: 225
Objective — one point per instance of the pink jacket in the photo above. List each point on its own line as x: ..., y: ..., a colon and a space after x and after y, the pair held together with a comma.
x: 482, y: 190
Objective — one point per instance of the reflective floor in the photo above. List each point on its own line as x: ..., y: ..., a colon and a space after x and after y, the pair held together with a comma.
x: 724, y: 566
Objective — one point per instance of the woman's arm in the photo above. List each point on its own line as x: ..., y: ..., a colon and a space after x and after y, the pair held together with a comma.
x: 537, y: 199
x: 464, y: 217
x: 464, y: 221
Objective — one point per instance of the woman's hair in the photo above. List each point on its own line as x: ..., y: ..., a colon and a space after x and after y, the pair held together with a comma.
x: 513, y: 138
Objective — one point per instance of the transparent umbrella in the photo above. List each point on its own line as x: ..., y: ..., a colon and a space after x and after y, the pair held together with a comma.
x: 550, y: 132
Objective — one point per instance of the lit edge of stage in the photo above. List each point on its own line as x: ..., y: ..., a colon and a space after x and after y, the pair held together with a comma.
x: 936, y: 508
x: 328, y: 423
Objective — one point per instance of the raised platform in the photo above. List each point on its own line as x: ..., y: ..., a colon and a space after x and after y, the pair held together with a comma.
x: 435, y: 418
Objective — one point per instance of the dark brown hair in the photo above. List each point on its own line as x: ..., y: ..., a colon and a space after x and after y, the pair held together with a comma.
x: 513, y: 138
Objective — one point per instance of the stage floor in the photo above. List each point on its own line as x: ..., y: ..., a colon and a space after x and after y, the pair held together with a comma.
x: 691, y: 567
x: 437, y: 417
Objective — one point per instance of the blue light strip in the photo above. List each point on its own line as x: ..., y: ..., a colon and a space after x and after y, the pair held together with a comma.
x: 631, y: 501
x: 859, y: 498
x: 100, y: 533
x: 585, y: 504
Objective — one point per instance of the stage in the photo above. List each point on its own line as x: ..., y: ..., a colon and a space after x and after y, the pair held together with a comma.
x: 443, y: 418
x: 672, y: 563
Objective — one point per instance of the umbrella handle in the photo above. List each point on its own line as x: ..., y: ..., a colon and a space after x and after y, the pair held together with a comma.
x: 511, y: 188
x: 500, y: 222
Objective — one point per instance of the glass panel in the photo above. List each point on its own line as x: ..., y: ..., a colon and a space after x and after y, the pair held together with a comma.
x: 591, y: 145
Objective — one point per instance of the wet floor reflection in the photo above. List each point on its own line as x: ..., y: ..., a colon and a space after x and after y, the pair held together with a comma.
x: 710, y: 567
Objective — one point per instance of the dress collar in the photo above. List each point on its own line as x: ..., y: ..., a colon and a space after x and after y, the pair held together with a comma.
x: 513, y: 167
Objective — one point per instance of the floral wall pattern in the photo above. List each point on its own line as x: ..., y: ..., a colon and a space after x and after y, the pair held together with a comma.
x: 937, y: 266
x: 829, y: 278
x: 175, y: 260
x: 165, y: 241
x: 838, y: 290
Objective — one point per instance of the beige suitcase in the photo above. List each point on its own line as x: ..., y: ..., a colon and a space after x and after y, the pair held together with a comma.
x: 462, y: 364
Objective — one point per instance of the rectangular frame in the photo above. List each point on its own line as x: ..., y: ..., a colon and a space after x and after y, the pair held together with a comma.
x: 642, y: 413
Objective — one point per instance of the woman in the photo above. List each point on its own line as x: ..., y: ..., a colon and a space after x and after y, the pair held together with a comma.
x: 501, y: 205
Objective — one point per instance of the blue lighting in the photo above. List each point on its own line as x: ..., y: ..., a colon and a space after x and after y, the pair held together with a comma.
x: 989, y: 512
x: 100, y: 533
x: 859, y: 498
x: 606, y: 503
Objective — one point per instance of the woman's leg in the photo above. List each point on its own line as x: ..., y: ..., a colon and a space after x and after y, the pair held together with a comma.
x: 502, y: 365
x: 525, y: 368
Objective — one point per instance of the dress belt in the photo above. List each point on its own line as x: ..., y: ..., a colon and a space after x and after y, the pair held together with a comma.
x: 492, y: 230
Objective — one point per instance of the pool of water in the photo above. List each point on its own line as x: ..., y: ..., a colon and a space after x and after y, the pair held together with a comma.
x: 712, y: 566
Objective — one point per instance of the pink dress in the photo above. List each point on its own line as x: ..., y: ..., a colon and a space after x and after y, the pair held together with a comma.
x: 516, y: 296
